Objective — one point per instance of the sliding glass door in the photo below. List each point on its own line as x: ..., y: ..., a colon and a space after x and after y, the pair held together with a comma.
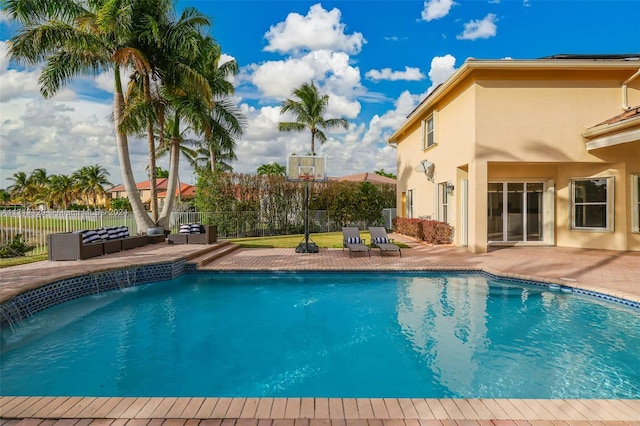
x: 515, y: 211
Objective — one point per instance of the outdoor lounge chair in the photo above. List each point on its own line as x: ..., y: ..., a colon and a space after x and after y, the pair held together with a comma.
x: 351, y: 240
x: 380, y: 240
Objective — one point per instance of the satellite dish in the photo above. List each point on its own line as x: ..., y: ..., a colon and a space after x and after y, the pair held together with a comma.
x: 426, y: 167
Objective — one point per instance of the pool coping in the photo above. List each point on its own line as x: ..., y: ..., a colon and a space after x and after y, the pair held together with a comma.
x: 339, y: 409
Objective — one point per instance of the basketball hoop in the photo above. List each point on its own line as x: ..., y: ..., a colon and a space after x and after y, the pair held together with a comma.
x: 307, y: 173
x: 306, y: 168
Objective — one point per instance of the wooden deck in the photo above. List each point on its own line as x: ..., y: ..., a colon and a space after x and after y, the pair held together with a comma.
x: 314, y: 411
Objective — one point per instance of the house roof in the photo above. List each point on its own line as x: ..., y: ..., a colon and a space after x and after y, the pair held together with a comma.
x: 627, y: 115
x: 185, y: 190
x: 623, y: 128
x: 368, y: 177
x: 161, y: 183
x: 624, y: 62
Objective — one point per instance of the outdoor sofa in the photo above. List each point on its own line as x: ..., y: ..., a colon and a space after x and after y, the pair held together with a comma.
x: 194, y: 233
x: 92, y: 243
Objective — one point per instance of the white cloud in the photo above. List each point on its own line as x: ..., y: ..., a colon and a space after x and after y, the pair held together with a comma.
x: 442, y: 67
x: 331, y: 71
x: 278, y: 78
x: 436, y: 9
x: 224, y: 58
x: 409, y: 74
x: 476, y: 29
x: 320, y: 29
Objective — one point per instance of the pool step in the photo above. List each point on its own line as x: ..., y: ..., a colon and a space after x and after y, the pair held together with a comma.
x: 221, y: 249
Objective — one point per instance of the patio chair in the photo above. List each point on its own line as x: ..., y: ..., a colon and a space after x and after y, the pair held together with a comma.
x: 352, y: 241
x: 379, y: 239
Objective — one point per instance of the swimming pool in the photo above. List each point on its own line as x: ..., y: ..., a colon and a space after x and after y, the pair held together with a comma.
x: 328, y: 335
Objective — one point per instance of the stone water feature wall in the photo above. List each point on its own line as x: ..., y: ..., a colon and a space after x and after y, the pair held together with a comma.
x: 26, y: 304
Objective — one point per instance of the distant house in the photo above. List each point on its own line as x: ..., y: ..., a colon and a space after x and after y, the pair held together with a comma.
x: 183, y: 192
x: 528, y: 152
x: 368, y: 177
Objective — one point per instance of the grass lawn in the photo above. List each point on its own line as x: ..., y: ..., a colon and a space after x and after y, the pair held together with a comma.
x: 323, y: 240
x: 21, y: 260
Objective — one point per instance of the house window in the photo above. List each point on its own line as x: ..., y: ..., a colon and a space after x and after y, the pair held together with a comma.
x: 409, y: 212
x: 592, y: 204
x: 429, y: 131
x: 635, y: 203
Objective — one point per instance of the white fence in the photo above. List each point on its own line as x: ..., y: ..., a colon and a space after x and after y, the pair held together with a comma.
x: 34, y: 225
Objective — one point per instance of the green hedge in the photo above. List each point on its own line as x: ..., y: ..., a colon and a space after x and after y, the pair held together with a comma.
x: 431, y: 231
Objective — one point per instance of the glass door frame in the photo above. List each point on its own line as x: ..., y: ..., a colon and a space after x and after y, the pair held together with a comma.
x: 543, y: 212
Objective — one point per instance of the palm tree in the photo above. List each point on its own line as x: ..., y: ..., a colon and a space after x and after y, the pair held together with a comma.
x: 308, y: 110
x: 180, y: 81
x: 91, y: 181
x: 76, y: 37
x: 5, y: 197
x: 61, y: 190
x: 21, y: 188
x: 272, y: 169
x: 39, y: 181
x: 215, y: 119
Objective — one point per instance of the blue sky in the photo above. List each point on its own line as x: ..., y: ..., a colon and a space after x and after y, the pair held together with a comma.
x: 376, y: 59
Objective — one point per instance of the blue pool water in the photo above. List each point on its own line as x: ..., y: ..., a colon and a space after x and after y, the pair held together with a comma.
x: 328, y: 335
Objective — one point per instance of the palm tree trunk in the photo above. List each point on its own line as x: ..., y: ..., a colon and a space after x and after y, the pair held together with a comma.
x: 313, y: 143
x: 143, y: 221
x: 153, y: 190
x: 174, y: 159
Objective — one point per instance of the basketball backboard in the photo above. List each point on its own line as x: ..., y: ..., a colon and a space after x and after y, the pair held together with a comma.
x: 301, y: 168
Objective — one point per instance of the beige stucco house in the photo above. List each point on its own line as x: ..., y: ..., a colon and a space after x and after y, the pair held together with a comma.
x: 535, y: 152
x: 184, y: 192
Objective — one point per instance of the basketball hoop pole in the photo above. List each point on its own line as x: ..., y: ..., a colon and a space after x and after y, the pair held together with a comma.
x: 305, y: 169
x: 306, y: 215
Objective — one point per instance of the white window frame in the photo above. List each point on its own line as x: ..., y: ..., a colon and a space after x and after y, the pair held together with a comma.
x: 608, y: 204
x: 443, y: 202
x: 429, y: 135
x: 635, y: 203
x: 409, y: 202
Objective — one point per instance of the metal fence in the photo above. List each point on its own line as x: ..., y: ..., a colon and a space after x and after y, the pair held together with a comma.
x: 255, y: 224
x: 35, y: 225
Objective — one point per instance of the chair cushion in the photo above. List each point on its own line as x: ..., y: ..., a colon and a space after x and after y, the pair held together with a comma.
x: 185, y: 229
x: 124, y: 231
x: 381, y: 240
x: 353, y: 240
x: 90, y: 236
x: 195, y: 228
x: 113, y: 233
x: 102, y: 232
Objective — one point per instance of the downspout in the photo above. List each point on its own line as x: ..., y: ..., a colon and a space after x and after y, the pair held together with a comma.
x: 625, y: 95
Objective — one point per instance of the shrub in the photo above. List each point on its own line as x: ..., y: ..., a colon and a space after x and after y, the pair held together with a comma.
x: 15, y: 248
x: 408, y: 226
x: 431, y: 231
x: 121, y: 204
x: 437, y: 232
